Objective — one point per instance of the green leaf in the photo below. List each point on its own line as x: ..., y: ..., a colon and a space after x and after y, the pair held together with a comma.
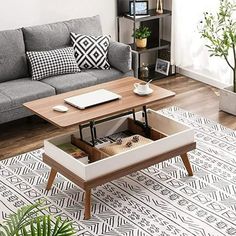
x: 56, y: 226
x: 6, y: 229
x: 38, y: 226
x: 24, y: 231
x: 44, y: 225
x: 220, y: 31
x: 32, y: 228
x: 11, y: 225
x: 2, y: 233
x: 27, y: 222
x: 49, y: 225
x: 142, y: 32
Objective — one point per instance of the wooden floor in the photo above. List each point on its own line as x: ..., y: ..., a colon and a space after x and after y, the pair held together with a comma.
x: 25, y: 135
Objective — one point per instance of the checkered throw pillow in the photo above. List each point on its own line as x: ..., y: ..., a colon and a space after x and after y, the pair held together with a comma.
x: 54, y: 62
x: 90, y: 51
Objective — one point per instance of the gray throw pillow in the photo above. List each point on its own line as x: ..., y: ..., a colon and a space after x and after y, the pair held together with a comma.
x: 54, y: 62
x: 120, y: 56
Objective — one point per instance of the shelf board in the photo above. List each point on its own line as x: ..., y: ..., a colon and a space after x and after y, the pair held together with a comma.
x: 153, y: 74
x: 151, y: 16
x: 151, y: 47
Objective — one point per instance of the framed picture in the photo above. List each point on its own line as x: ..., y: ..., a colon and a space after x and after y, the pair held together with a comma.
x: 162, y: 66
x: 141, y: 8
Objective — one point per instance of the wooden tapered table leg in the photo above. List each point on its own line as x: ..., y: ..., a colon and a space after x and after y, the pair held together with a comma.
x: 187, y: 164
x: 51, y: 178
x: 87, y: 204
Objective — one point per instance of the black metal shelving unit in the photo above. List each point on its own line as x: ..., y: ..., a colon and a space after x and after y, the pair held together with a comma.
x: 152, y: 46
x: 154, y: 21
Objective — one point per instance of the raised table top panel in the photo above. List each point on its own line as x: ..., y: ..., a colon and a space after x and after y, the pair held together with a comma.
x: 124, y: 87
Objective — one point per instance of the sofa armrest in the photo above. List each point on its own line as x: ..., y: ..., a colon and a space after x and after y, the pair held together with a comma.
x: 119, y: 56
x: 135, y: 63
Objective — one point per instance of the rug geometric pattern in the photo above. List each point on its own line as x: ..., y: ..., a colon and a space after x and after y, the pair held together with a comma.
x: 161, y: 200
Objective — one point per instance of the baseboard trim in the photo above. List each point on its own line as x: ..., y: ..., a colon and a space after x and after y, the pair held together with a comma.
x: 201, y: 77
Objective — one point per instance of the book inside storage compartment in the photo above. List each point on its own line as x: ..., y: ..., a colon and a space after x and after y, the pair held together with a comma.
x: 94, y: 154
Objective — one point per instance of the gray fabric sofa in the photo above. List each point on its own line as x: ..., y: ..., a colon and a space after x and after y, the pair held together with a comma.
x: 16, y: 85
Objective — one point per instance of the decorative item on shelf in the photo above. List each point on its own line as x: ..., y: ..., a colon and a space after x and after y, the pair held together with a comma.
x: 144, y: 71
x: 141, y: 8
x: 222, y: 26
x: 159, y: 9
x: 162, y: 66
x: 141, y: 34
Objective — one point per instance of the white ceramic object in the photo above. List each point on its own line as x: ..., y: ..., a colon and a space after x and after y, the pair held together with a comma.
x: 227, y: 100
x: 177, y: 135
x: 60, y: 108
x: 148, y: 92
x: 142, y: 87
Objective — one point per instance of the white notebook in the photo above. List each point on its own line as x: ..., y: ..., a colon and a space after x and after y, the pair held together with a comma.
x: 92, y: 98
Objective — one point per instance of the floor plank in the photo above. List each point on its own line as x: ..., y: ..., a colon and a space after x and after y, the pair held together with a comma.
x: 28, y: 134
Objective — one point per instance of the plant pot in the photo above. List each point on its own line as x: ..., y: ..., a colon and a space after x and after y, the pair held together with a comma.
x: 141, y: 43
x: 228, y: 100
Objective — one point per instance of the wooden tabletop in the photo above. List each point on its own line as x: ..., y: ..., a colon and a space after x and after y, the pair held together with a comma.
x: 124, y: 87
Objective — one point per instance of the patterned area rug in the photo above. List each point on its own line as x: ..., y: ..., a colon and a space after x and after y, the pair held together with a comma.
x: 161, y: 200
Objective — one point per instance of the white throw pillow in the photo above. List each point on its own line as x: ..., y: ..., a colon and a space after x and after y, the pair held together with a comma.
x: 91, y: 52
x: 54, y: 62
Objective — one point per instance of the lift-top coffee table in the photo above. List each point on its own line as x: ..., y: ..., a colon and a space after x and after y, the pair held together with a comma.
x: 168, y: 137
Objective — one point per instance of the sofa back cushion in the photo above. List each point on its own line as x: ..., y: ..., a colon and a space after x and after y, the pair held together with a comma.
x: 87, y: 26
x: 46, y: 37
x: 57, y: 35
x: 13, y: 63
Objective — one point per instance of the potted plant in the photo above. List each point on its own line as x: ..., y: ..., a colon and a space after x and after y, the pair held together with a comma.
x: 141, y: 34
x: 220, y: 32
x: 29, y: 221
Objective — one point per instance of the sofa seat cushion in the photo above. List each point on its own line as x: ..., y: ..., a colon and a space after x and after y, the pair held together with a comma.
x: 66, y: 83
x: 13, y: 64
x: 24, y: 90
x: 5, y: 102
x: 108, y: 75
x: 14, y: 114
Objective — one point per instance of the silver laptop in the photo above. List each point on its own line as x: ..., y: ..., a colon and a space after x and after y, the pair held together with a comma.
x: 92, y: 98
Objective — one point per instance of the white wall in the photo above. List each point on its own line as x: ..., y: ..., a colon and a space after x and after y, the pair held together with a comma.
x: 18, y: 13
x: 189, y: 52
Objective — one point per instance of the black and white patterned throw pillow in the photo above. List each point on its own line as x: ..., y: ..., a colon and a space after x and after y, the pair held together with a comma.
x: 90, y: 51
x: 54, y: 62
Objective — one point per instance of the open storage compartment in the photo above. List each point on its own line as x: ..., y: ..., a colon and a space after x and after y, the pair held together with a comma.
x: 164, y: 134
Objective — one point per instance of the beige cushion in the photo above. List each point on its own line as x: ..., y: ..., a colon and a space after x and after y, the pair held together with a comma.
x: 115, y: 148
